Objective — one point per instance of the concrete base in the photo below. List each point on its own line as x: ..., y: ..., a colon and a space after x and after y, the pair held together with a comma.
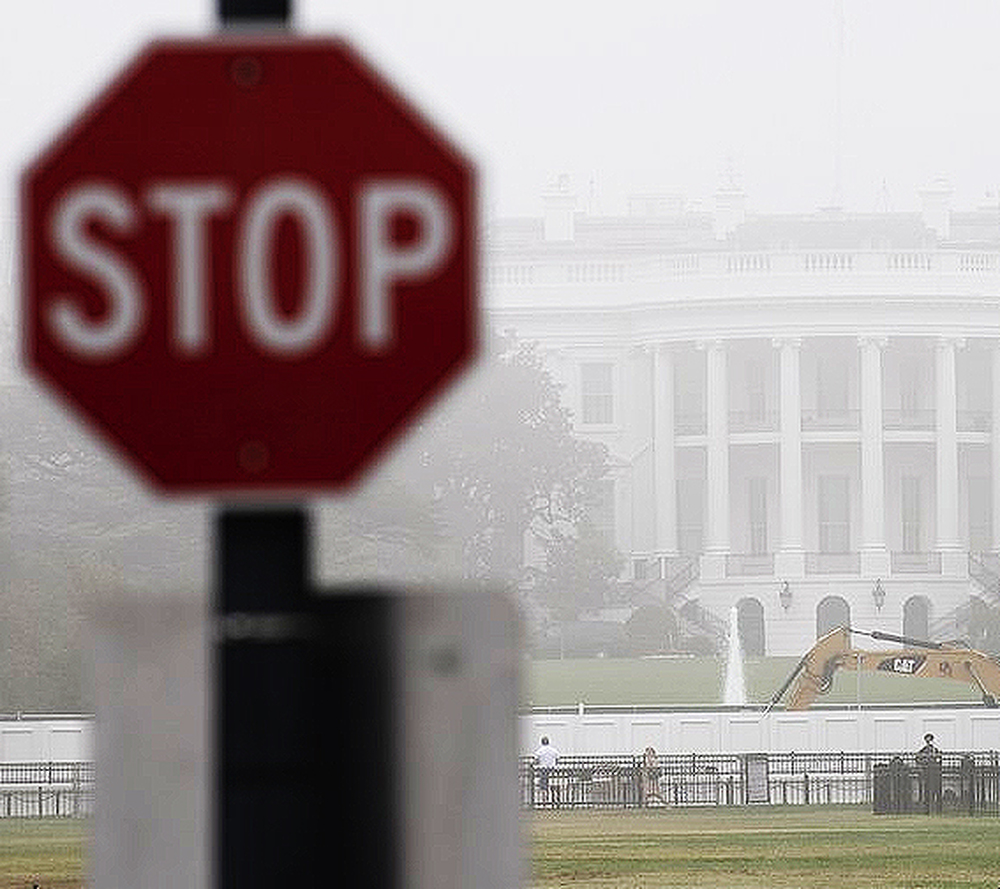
x: 456, y: 663
x: 152, y: 823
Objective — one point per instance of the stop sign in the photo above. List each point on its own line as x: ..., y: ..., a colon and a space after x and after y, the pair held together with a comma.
x: 249, y: 262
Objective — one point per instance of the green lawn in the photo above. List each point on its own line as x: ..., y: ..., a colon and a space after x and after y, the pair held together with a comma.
x: 762, y: 848
x: 795, y: 847
x: 698, y: 682
x: 49, y: 851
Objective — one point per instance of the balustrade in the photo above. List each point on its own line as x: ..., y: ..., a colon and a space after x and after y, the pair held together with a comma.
x: 915, y: 563
x: 818, y: 419
x: 902, y: 419
x: 884, y: 263
x: 753, y: 421
x: 690, y: 424
x: 974, y: 421
x: 833, y: 563
x: 749, y: 564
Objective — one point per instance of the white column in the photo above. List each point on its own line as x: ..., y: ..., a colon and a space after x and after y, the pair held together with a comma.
x: 995, y: 446
x: 872, y: 457
x: 874, y: 556
x: 664, y: 467
x: 717, y: 523
x: 945, y: 407
x: 789, y: 561
x: 790, y: 401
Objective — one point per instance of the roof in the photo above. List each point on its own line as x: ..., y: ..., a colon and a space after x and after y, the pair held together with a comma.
x: 834, y: 229
x: 685, y: 230
x: 676, y: 232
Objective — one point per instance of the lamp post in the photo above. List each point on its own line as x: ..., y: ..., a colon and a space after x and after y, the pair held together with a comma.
x: 878, y: 594
x: 785, y: 595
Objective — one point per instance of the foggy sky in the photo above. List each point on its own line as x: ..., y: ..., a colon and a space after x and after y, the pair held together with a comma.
x: 658, y: 96
x: 632, y: 96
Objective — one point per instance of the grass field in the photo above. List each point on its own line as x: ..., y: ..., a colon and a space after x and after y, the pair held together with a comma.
x: 796, y: 847
x: 50, y: 852
x: 762, y: 848
x: 698, y: 682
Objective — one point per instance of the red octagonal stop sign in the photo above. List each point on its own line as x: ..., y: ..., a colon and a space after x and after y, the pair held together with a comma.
x: 248, y: 263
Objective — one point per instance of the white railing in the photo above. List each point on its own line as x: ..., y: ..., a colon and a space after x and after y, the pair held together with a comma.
x: 887, y: 264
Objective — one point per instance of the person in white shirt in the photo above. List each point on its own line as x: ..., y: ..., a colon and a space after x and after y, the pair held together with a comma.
x: 648, y: 777
x: 546, y: 757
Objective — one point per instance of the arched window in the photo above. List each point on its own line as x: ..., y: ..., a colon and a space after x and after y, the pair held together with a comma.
x: 916, y: 617
x: 750, y: 624
x: 831, y: 613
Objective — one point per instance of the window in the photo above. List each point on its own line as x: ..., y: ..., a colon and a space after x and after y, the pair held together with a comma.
x: 916, y: 618
x: 834, y: 514
x: 909, y: 386
x: 756, y: 397
x: 910, y: 512
x: 690, y: 493
x: 980, y: 515
x: 647, y: 569
x: 831, y: 386
x: 758, y: 515
x: 750, y: 626
x: 689, y: 394
x: 832, y: 613
x: 597, y: 399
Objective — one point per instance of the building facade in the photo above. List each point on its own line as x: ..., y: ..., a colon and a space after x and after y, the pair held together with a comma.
x: 803, y: 411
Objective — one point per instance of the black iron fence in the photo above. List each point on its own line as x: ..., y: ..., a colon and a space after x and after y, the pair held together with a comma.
x: 958, y: 782
x: 889, y: 783
x: 46, y: 789
x: 933, y: 784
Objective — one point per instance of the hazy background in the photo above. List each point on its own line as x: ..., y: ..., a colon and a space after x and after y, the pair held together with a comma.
x: 805, y: 103
x: 625, y: 97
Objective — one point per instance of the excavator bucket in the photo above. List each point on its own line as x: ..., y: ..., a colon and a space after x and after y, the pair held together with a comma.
x: 946, y: 660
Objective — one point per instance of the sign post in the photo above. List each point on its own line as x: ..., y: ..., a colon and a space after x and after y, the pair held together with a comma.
x: 248, y: 265
x: 306, y: 722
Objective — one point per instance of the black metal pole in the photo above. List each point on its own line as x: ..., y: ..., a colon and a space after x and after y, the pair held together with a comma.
x: 237, y: 12
x: 305, y: 689
x: 261, y: 671
x: 261, y: 584
x: 305, y: 725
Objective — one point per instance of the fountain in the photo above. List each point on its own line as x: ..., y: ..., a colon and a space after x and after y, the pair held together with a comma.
x: 734, y: 690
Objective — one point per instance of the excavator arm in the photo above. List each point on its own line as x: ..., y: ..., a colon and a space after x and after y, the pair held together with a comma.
x: 814, y: 673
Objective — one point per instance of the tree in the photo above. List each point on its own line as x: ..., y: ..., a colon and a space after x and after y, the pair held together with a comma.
x: 499, y: 460
x: 652, y: 629
x: 42, y: 640
x: 580, y: 572
x: 71, y: 520
x: 982, y: 624
x: 503, y: 464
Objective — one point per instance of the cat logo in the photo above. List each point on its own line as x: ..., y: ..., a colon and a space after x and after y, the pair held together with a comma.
x: 907, y: 664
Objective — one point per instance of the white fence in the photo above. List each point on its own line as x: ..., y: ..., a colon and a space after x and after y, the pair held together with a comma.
x: 46, y: 739
x: 583, y: 731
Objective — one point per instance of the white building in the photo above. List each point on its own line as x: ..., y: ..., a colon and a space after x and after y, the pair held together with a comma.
x: 802, y: 409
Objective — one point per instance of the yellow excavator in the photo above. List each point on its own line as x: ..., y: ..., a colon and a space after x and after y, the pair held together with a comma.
x: 947, y: 660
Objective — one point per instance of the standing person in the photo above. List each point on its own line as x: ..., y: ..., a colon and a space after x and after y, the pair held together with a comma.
x: 928, y: 750
x: 929, y: 762
x: 546, y: 757
x: 649, y: 775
